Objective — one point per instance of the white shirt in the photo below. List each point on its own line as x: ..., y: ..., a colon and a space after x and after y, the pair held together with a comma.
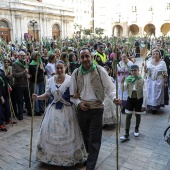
x: 50, y: 69
x: 87, y: 92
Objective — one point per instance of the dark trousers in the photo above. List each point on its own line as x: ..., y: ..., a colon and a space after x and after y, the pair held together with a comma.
x: 22, y: 93
x: 4, y: 110
x: 40, y: 89
x: 13, y: 99
x: 128, y: 122
x: 90, y: 123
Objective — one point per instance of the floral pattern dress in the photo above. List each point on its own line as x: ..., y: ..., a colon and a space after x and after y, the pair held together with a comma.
x: 60, y: 140
x: 155, y: 85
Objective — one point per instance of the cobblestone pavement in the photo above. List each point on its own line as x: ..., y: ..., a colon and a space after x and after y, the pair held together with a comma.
x: 149, y: 151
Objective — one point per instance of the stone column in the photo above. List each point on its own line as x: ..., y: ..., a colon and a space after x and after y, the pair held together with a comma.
x: 43, y: 26
x: 47, y: 27
x: 17, y: 27
x: 65, y: 28
x: 21, y: 28
x: 62, y: 28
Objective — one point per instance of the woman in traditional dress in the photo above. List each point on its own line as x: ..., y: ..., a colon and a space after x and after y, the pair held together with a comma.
x: 109, y: 114
x: 123, y: 69
x: 60, y: 141
x: 156, y: 81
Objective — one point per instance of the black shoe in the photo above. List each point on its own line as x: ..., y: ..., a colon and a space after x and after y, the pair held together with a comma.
x: 20, y: 118
x: 104, y: 126
x: 84, y: 163
x: 153, y: 112
x: 38, y: 114
x: 24, y: 111
x: 42, y: 112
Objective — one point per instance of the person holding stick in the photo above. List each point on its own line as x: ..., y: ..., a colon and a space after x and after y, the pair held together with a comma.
x: 40, y: 82
x: 89, y: 85
x: 60, y: 141
x: 135, y: 86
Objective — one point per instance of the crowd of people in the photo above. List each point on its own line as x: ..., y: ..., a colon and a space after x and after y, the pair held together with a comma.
x: 75, y: 87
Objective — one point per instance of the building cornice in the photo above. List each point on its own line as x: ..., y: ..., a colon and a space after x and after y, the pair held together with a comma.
x: 37, y: 8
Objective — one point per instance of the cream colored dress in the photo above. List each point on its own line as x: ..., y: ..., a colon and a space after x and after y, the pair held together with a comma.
x: 60, y: 140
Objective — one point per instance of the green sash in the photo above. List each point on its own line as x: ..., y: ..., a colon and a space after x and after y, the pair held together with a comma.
x: 132, y: 79
x: 88, y: 71
x: 22, y: 65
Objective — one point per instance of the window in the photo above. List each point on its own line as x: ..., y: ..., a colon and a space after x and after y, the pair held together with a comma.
x: 134, y: 9
x: 151, y: 8
x: 167, y: 6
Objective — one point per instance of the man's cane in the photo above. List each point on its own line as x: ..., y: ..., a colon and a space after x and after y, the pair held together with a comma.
x: 32, y: 118
x: 117, y: 115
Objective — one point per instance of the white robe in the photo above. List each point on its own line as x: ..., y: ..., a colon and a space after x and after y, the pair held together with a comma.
x: 155, y: 84
x: 109, y: 113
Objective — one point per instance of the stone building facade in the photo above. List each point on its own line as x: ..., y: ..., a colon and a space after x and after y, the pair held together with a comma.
x: 38, y: 19
x: 137, y: 18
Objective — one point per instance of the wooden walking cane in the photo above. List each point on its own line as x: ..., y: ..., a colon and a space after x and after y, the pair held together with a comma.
x: 33, y: 104
x: 143, y: 63
x: 120, y: 120
x: 117, y: 116
x: 12, y: 110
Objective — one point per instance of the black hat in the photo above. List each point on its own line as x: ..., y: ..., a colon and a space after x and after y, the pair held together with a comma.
x: 134, y: 66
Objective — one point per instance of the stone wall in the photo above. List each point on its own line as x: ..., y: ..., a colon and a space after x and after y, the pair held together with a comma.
x: 18, y: 15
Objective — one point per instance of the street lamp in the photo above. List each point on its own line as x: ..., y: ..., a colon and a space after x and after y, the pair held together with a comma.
x: 33, y: 23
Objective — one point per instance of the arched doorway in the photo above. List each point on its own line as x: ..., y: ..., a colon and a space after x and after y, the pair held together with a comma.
x: 5, y: 31
x: 33, y: 30
x: 117, y: 31
x: 133, y: 29
x: 56, y: 32
x: 165, y: 29
x: 149, y: 29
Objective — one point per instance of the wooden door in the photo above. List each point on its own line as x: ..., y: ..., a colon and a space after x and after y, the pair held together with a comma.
x: 5, y: 34
x: 31, y: 33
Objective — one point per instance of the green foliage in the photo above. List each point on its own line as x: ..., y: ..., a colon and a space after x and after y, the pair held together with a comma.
x: 86, y: 31
x: 99, y: 31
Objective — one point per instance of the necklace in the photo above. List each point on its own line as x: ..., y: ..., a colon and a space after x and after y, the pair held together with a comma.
x: 60, y: 78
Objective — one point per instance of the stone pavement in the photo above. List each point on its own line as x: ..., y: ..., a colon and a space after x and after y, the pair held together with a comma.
x: 149, y: 151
